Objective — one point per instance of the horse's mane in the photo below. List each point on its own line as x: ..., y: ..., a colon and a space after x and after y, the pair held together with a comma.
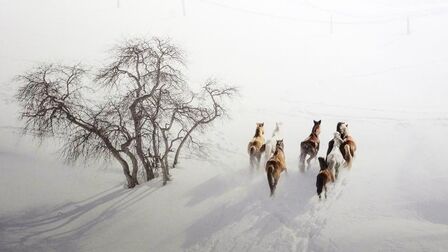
x: 277, y: 148
x: 257, y: 132
x: 276, y: 151
x: 315, y: 127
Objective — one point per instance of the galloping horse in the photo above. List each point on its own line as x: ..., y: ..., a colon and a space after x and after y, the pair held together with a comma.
x: 335, y: 158
x: 310, y: 146
x: 256, y: 146
x: 275, y: 166
x: 339, y: 129
x: 324, y: 177
x: 348, y: 146
x: 271, y: 143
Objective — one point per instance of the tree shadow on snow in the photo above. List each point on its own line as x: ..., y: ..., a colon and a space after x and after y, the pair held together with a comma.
x: 60, y: 228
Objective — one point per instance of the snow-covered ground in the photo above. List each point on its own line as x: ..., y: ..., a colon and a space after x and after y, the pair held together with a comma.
x: 381, y: 66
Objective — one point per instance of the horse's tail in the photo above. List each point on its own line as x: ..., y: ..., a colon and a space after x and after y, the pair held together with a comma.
x: 263, y: 148
x: 352, y: 150
x: 307, y: 146
x: 303, y: 145
x: 320, y: 180
x: 303, y: 152
x: 252, y: 150
x: 348, y: 155
x: 270, y: 174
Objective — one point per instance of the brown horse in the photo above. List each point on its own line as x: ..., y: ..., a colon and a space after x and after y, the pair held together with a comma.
x: 275, y: 166
x: 256, y: 146
x: 324, y: 177
x: 310, y: 146
x: 348, y: 147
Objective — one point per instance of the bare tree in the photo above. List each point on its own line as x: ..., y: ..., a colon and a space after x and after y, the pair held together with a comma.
x: 148, y: 119
x: 52, y: 104
x: 139, y: 70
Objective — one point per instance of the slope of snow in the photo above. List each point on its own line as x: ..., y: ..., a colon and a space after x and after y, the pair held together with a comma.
x: 388, y: 83
x: 392, y: 200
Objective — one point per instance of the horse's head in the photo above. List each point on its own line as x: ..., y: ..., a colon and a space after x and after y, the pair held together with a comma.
x: 341, y: 127
x: 260, y: 129
x: 277, y: 126
x: 337, y: 139
x: 316, y: 127
x: 276, y: 131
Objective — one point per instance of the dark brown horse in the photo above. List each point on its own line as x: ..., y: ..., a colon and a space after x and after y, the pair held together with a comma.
x: 256, y: 146
x: 310, y: 146
x: 275, y: 166
x: 324, y: 177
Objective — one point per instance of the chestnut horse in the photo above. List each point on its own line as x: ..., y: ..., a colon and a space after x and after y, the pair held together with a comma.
x: 256, y: 146
x: 324, y: 177
x: 310, y: 146
x: 275, y: 166
x: 348, y: 147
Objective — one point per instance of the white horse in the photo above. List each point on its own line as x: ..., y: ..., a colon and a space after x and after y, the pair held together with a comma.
x: 271, y: 143
x: 335, y: 158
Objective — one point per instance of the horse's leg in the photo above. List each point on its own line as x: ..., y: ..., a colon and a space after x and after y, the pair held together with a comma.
x: 336, y: 169
x: 276, y: 177
x: 252, y: 163
x: 258, y: 160
x: 332, y: 166
x: 325, y: 188
x: 302, y: 160
x: 267, y: 151
x: 312, y: 156
x: 348, y: 156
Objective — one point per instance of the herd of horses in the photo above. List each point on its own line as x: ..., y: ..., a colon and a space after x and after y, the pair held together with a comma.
x: 340, y: 153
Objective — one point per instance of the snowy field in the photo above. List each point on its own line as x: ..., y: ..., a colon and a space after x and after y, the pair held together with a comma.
x: 381, y: 66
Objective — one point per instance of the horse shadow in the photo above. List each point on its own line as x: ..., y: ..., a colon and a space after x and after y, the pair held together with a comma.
x: 256, y: 213
x: 61, y: 228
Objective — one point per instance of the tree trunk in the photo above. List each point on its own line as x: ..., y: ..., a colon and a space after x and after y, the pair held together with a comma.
x: 139, y: 145
x: 149, y: 172
x: 131, y: 181
x: 176, y: 157
x: 165, y: 172
x: 134, y: 164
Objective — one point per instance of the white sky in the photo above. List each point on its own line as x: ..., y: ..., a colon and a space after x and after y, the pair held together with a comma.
x: 274, y: 47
